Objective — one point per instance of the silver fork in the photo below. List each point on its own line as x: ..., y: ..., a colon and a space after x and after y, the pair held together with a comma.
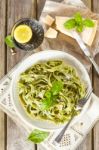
x: 80, y: 105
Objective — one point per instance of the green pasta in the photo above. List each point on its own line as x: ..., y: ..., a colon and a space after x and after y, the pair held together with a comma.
x: 50, y: 90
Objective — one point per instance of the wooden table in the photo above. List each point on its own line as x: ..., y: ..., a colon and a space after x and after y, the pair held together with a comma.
x: 11, y: 11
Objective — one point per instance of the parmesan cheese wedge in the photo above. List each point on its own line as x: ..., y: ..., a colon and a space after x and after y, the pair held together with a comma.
x: 51, y: 33
x: 87, y: 35
x: 49, y: 20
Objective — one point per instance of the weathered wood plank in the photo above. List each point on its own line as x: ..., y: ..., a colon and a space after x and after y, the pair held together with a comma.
x: 40, y: 6
x: 95, y: 8
x: 96, y: 91
x: 17, y: 9
x: 2, y: 68
x: 88, y: 3
x: 2, y: 131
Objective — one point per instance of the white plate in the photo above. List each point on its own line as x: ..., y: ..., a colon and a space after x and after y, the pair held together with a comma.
x: 33, y: 59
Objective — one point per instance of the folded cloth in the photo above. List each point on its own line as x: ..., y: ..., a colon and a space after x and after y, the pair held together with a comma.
x: 67, y: 44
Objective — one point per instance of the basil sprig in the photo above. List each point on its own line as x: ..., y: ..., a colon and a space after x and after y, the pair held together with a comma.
x: 38, y: 136
x: 51, y: 95
x: 9, y: 41
x: 78, y: 23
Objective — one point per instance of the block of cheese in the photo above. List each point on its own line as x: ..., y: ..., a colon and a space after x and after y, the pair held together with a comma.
x: 51, y: 33
x: 49, y: 20
x: 87, y: 35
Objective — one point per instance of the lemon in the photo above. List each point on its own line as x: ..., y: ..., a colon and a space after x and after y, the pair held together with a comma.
x: 22, y: 33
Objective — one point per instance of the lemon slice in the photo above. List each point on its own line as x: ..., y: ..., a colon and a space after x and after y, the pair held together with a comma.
x: 22, y: 33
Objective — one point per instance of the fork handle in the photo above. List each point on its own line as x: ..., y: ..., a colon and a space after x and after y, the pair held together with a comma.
x: 60, y: 135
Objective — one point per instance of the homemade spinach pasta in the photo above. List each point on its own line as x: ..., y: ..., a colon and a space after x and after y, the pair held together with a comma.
x: 50, y: 90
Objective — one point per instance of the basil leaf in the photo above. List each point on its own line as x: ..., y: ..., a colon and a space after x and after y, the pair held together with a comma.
x: 78, y: 18
x: 48, y: 94
x: 88, y: 23
x: 38, y: 136
x: 46, y: 104
x: 9, y: 41
x: 79, y: 28
x: 78, y: 22
x: 56, y: 87
x: 70, y: 24
x: 51, y: 95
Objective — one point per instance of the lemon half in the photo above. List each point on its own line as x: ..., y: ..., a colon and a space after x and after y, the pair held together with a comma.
x: 22, y: 33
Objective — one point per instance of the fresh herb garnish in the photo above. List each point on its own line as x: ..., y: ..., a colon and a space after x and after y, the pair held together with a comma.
x: 79, y: 28
x: 38, y: 136
x: 78, y: 18
x: 52, y: 94
x: 70, y: 24
x: 9, y: 41
x: 56, y: 87
x: 47, y: 102
x: 88, y: 23
x: 78, y: 22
